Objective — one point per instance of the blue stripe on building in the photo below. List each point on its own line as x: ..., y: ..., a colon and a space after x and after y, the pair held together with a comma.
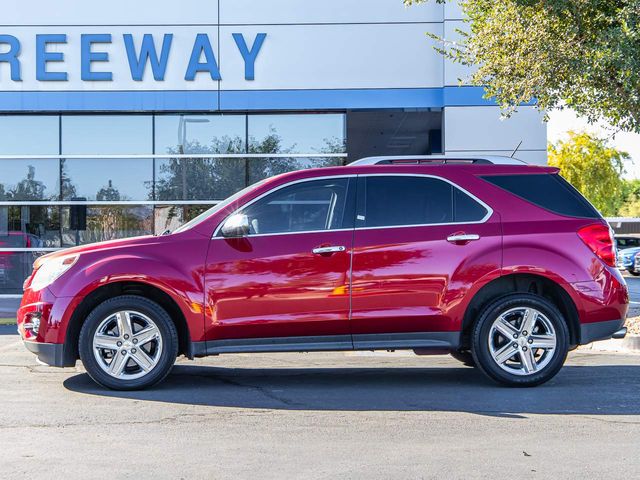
x: 245, y: 100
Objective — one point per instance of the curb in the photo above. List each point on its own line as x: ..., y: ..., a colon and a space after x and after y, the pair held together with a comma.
x: 630, y: 343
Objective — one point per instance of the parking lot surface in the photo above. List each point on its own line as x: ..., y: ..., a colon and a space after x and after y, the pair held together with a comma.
x: 331, y: 415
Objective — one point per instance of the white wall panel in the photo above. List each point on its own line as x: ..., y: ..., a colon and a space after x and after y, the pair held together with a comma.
x: 482, y: 129
x: 111, y: 12
x: 326, y: 11
x: 453, y: 71
x: 335, y: 56
x: 453, y: 11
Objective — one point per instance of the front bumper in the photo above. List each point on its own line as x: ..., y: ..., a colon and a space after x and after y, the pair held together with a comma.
x: 52, y: 354
x: 592, y: 332
x: 49, y: 341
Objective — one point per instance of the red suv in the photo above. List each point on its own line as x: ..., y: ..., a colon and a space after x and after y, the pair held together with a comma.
x: 504, y: 265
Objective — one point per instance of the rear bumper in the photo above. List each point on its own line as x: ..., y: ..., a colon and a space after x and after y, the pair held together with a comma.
x: 592, y: 332
x: 52, y: 354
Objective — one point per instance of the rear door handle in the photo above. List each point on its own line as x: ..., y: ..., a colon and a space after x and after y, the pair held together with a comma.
x: 463, y: 237
x: 333, y: 249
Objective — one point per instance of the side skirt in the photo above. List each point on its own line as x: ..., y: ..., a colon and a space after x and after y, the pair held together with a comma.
x: 437, y: 341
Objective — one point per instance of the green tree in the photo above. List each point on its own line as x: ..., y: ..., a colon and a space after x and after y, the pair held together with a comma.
x: 108, y: 193
x: 584, y: 54
x: 29, y: 188
x: 631, y: 194
x: 69, y: 190
x: 592, y: 167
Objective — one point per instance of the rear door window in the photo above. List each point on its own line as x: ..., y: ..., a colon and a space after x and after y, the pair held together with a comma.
x: 549, y: 191
x: 387, y: 201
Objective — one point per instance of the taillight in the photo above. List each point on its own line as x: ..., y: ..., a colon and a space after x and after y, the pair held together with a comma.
x: 599, y: 239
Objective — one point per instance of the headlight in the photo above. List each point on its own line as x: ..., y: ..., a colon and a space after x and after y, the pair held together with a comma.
x: 50, y: 270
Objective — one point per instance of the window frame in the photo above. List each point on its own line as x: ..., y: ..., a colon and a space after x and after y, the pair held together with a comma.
x: 355, y: 187
x: 349, y: 207
x: 361, y: 202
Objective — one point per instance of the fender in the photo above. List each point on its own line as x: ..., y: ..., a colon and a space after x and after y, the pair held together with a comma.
x: 178, y: 276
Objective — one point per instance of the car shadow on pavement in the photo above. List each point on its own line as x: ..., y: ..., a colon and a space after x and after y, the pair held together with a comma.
x: 593, y: 390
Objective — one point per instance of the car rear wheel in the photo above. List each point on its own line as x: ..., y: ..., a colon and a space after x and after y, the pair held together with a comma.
x: 633, y: 272
x: 128, y: 343
x: 520, y: 340
x: 464, y: 356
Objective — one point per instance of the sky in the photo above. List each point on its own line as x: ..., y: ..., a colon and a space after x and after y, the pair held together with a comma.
x: 563, y: 121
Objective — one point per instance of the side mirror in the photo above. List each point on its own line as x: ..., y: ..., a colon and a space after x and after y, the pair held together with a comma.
x: 236, y: 226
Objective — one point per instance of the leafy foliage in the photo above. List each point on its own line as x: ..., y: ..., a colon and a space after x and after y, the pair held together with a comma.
x: 584, y: 54
x: 631, y: 205
x: 592, y: 167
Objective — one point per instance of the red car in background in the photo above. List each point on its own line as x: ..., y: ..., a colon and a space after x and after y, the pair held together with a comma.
x: 15, y: 266
x: 502, y: 264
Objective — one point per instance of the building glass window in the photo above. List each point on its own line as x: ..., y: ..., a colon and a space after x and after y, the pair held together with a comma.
x: 33, y: 178
x: 298, y: 133
x: 29, y: 135
x: 289, y: 134
x: 199, y: 178
x: 111, y: 179
x: 108, y: 179
x: 170, y: 217
x: 15, y: 267
x: 107, y: 134
x: 200, y: 134
x: 109, y: 222
x: 29, y: 179
x: 165, y: 187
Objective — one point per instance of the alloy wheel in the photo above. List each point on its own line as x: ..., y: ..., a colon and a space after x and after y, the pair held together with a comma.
x: 522, y: 341
x: 127, y: 345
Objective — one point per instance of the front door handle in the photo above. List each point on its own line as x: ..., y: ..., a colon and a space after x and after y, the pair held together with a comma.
x: 463, y: 237
x: 325, y: 250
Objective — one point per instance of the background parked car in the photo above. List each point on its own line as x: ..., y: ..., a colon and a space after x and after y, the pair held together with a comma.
x: 627, y: 247
x: 16, y: 266
x: 626, y: 260
x: 627, y: 241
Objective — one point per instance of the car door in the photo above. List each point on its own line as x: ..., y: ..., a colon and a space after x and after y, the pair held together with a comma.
x: 289, y: 277
x: 419, y: 243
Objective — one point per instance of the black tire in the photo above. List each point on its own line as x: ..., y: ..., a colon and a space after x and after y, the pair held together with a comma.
x: 633, y: 272
x: 465, y: 356
x: 166, y: 328
x: 482, y: 328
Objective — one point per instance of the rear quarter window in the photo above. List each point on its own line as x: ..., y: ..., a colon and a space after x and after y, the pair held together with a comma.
x: 547, y: 190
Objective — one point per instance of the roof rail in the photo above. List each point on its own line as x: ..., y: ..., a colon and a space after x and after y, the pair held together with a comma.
x: 439, y: 160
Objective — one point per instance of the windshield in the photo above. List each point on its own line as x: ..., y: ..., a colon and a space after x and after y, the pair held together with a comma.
x: 204, y: 215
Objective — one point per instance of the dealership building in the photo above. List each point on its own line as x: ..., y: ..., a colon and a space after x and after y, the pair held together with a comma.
x: 126, y: 118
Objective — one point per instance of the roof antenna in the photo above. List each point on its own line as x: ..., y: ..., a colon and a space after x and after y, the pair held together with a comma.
x: 514, y: 152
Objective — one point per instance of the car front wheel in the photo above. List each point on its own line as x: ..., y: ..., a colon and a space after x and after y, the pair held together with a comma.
x: 128, y: 343
x: 520, y: 340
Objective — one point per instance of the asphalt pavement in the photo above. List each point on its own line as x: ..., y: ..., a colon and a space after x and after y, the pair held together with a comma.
x: 332, y: 415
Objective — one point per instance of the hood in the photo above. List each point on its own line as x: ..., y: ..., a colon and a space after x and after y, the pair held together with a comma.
x: 102, y: 246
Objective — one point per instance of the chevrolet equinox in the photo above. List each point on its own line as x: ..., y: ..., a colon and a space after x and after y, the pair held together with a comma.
x: 502, y: 264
